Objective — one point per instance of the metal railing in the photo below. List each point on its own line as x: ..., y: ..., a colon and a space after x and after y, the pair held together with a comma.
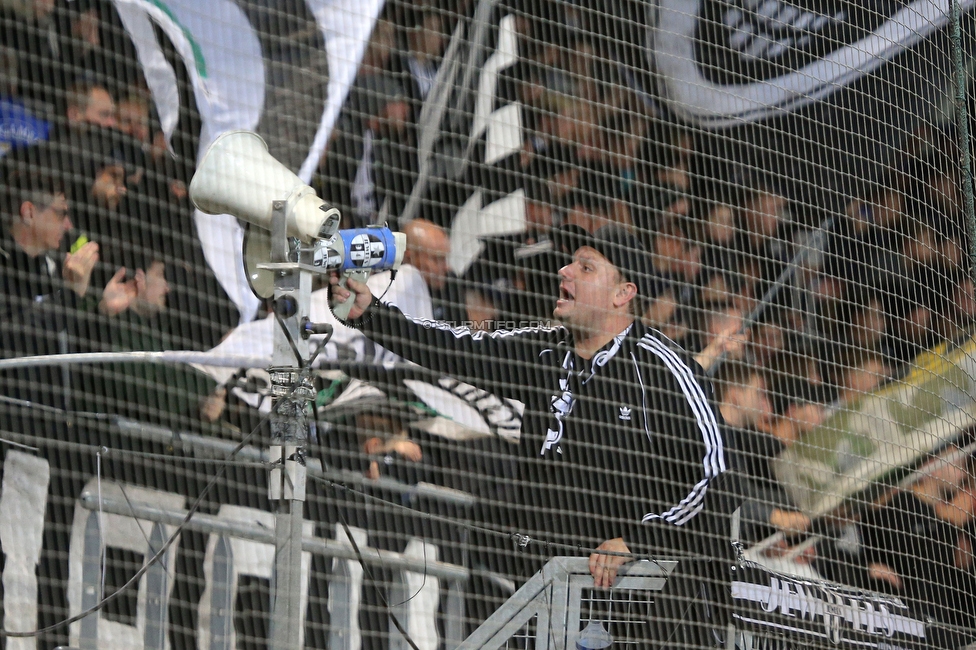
x: 549, y: 610
x: 229, y: 526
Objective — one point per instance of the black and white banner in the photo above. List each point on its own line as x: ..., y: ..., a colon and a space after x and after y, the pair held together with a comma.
x: 481, y: 111
x: 814, y: 100
x: 813, y: 613
x: 724, y: 63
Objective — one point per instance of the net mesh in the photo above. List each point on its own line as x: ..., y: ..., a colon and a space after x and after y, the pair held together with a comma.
x: 680, y: 280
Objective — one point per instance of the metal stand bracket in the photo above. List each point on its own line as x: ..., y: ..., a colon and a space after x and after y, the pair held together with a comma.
x: 292, y: 392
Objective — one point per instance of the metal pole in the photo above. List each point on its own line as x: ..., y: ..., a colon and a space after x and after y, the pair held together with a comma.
x: 962, y: 124
x: 816, y: 243
x: 135, y: 356
x: 291, y: 392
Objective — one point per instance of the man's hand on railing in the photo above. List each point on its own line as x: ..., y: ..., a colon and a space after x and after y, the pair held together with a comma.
x: 604, y: 567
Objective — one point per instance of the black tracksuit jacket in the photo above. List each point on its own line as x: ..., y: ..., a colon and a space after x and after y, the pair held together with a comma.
x: 626, y: 444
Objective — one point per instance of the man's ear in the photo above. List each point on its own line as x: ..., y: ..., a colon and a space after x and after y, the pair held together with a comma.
x: 27, y: 211
x: 74, y: 114
x: 626, y: 291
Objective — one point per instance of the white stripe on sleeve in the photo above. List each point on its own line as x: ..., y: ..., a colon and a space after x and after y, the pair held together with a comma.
x: 714, y: 459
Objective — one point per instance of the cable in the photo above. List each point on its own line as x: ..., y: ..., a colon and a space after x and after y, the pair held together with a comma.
x: 23, y: 403
x: 101, y: 519
x: 108, y: 452
x: 132, y: 508
x: 389, y: 284
x: 681, y: 621
x: 18, y: 444
x: 369, y: 574
x: 422, y: 584
x: 254, y: 464
x: 521, y: 539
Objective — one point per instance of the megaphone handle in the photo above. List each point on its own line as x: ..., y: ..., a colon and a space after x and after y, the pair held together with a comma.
x: 341, y: 310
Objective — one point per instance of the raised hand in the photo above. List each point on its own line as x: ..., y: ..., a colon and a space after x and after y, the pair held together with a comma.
x: 118, y: 295
x: 78, y: 266
x: 151, y: 290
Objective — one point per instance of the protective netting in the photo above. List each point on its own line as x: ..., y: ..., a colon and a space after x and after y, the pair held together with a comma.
x: 689, y: 282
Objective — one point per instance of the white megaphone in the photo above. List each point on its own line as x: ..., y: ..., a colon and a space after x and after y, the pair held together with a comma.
x: 238, y: 176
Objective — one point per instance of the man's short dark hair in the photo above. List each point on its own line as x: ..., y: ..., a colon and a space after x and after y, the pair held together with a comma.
x: 9, y: 70
x: 32, y: 176
x: 734, y: 374
x: 85, y: 154
x: 79, y: 94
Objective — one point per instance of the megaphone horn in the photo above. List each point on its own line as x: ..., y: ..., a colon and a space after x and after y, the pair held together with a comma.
x: 238, y: 176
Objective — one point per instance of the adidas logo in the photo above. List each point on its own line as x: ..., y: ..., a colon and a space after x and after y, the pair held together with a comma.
x: 625, y: 413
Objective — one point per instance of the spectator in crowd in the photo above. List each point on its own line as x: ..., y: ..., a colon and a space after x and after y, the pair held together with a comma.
x: 588, y: 210
x: 917, y: 541
x: 105, y: 171
x: 748, y: 412
x: 132, y: 118
x: 724, y: 339
x: 425, y: 45
x: 20, y: 125
x: 427, y: 249
x: 380, y: 437
x: 37, y: 220
x: 90, y: 104
x: 48, y: 301
x: 862, y: 376
x: 662, y: 314
x: 53, y: 43
x: 393, y: 165
x: 539, y: 216
x: 345, y: 171
x: 385, y: 118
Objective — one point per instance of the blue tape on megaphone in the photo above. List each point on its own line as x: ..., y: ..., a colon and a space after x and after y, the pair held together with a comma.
x: 368, y: 248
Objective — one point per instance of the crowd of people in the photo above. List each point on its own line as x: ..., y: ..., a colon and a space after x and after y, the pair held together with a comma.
x: 98, y: 250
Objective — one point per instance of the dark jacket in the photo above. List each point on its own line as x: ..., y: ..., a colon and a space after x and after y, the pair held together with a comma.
x: 34, y: 310
x: 627, y: 444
